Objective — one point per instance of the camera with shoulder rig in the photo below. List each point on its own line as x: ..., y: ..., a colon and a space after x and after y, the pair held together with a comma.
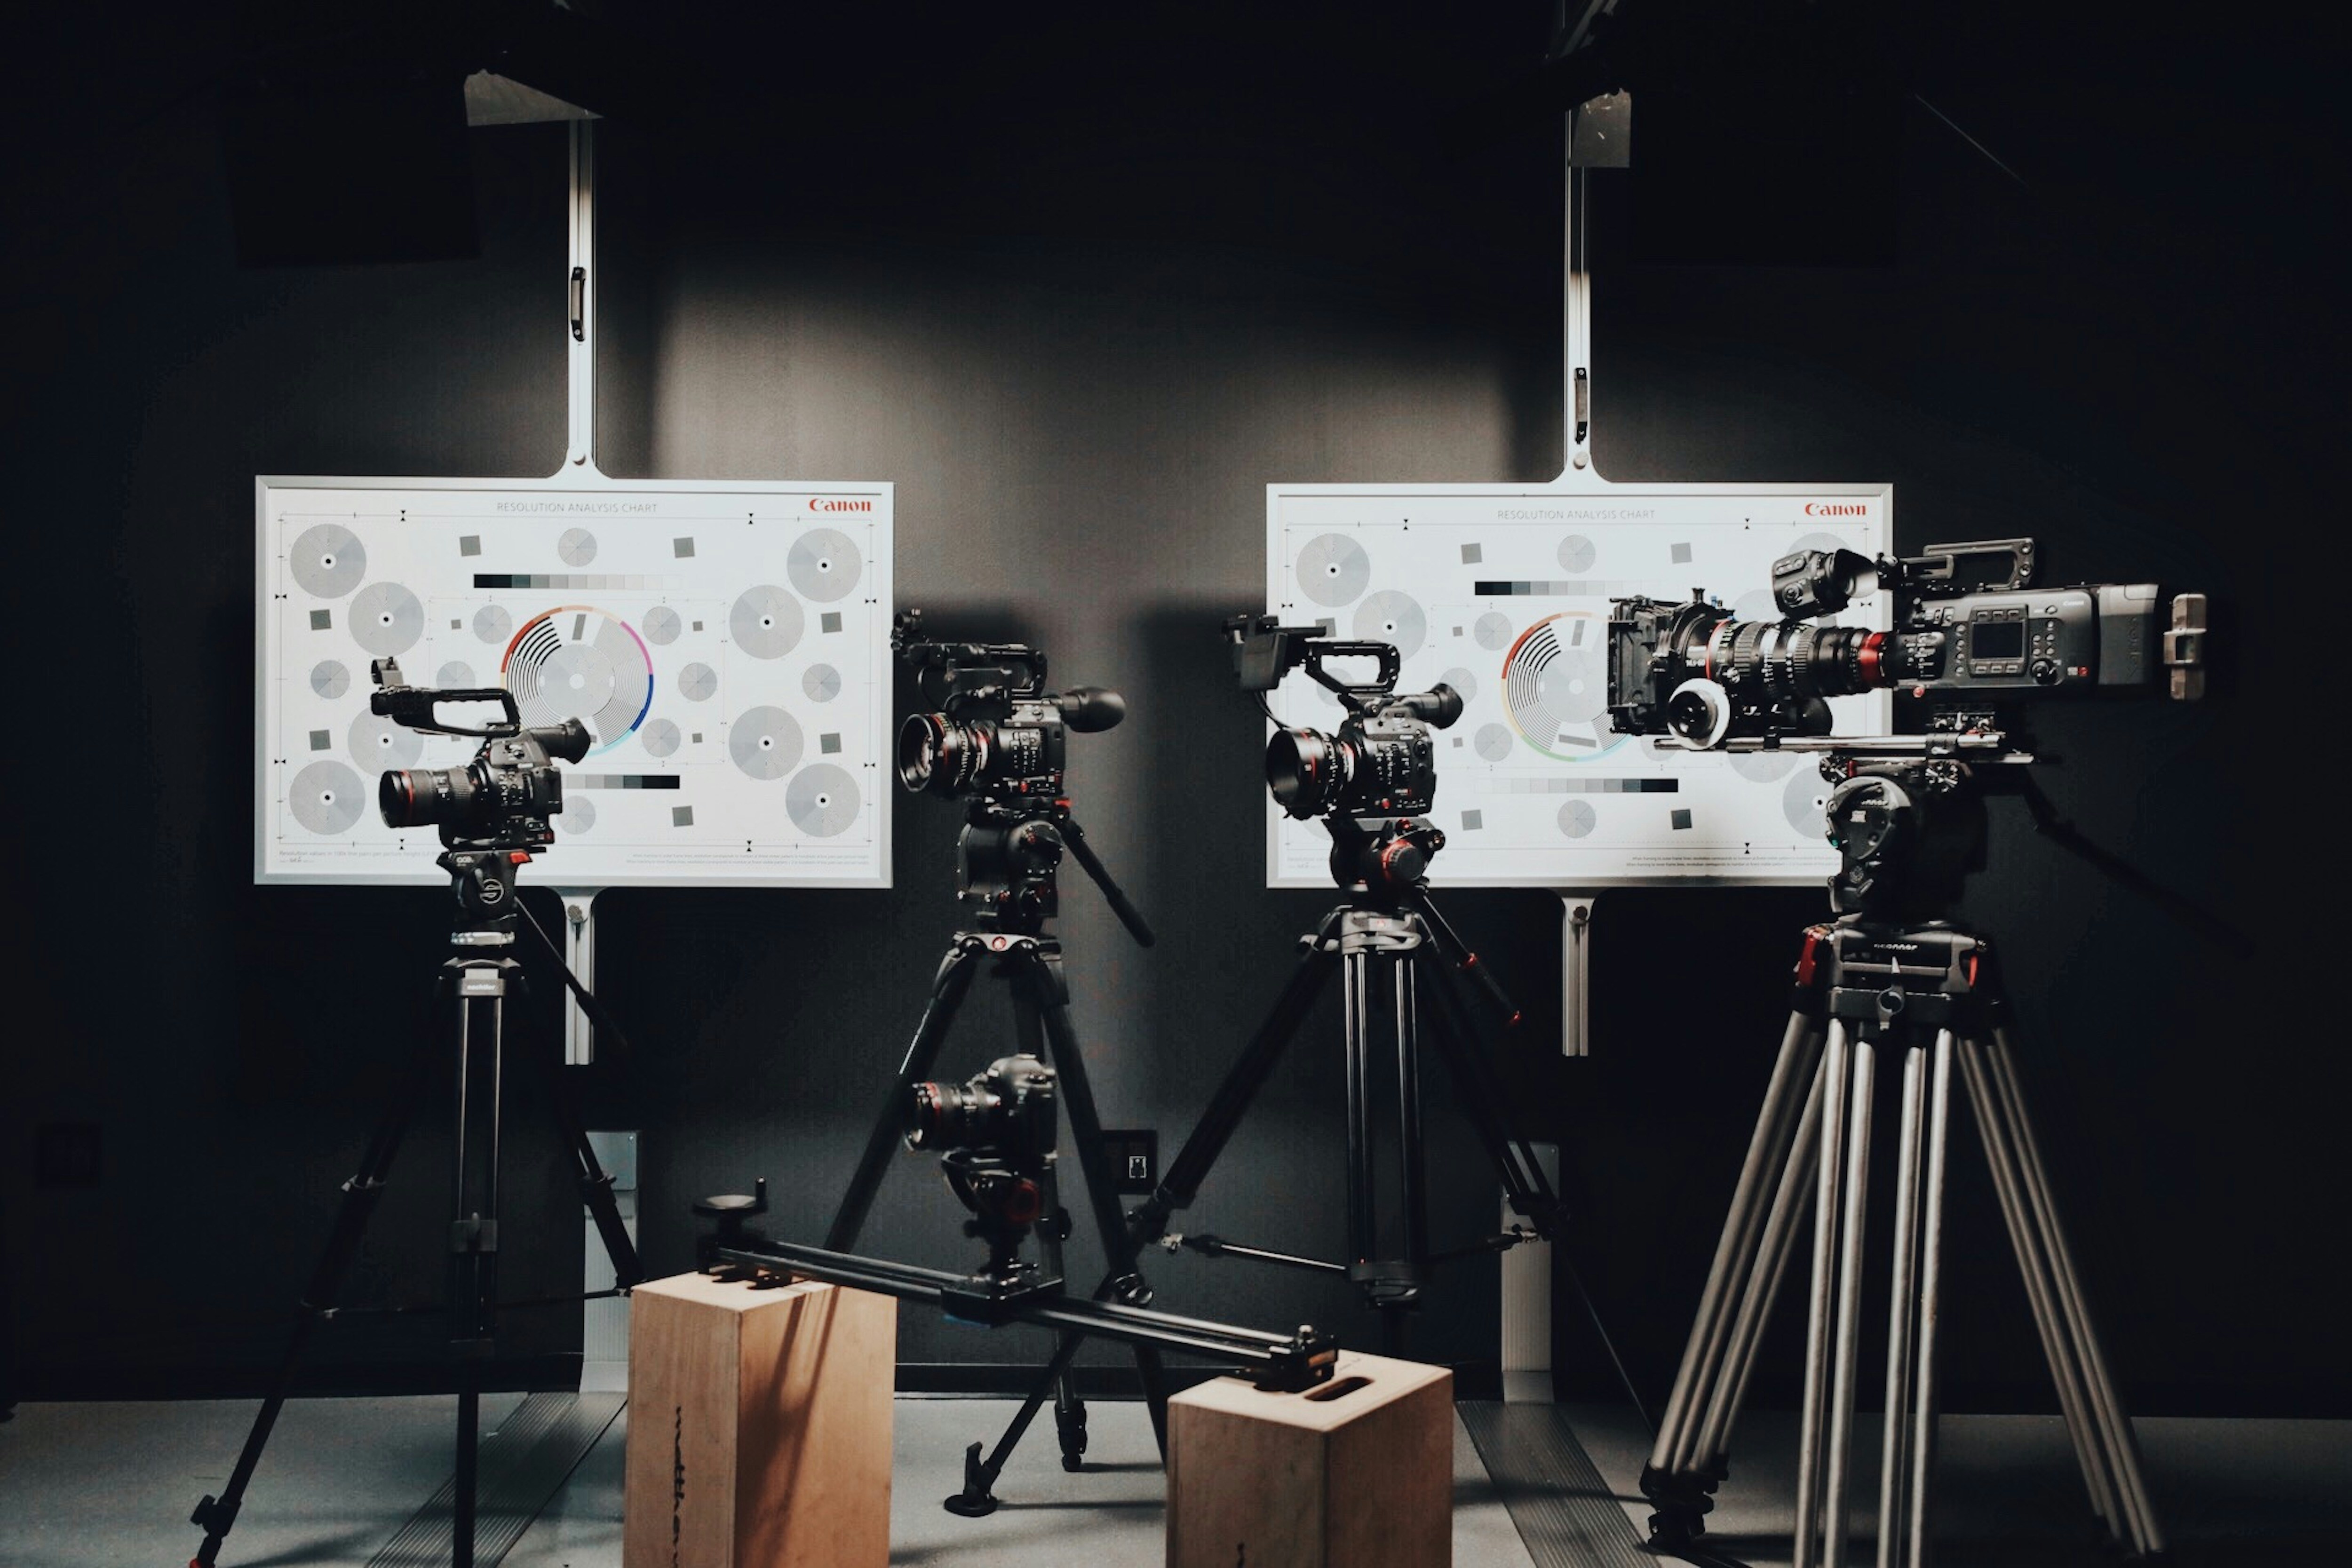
x: 1963, y: 636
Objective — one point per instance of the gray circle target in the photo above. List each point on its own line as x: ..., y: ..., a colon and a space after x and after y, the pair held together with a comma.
x: 386, y: 619
x: 766, y: 743
x: 326, y: 797
x: 1392, y: 616
x: 766, y: 621
x: 661, y: 626
x: 660, y: 737
x: 822, y: 683
x: 1494, y: 741
x: 1804, y: 800
x: 824, y: 565
x: 1763, y: 767
x: 1333, y: 569
x: 380, y: 743
x: 822, y: 800
x: 1572, y: 688
x: 578, y: 816
x: 1577, y: 553
x: 492, y: 623
x: 697, y: 682
x: 1756, y: 605
x: 577, y: 547
x: 1577, y: 818
x: 576, y: 679
x: 1493, y: 630
x: 327, y: 560
x: 456, y: 672
x: 1463, y: 681
x: 330, y: 679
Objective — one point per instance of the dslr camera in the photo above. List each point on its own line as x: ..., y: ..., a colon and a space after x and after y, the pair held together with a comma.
x: 504, y: 798
x: 1971, y: 631
x: 995, y: 1135
x: 1372, y: 780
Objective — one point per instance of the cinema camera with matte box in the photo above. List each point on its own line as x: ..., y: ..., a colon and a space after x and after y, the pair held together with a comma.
x: 1971, y: 632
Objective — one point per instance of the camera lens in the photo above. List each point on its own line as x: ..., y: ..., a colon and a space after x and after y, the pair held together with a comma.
x: 945, y: 1115
x: 935, y: 753
x: 1306, y: 769
x: 423, y: 798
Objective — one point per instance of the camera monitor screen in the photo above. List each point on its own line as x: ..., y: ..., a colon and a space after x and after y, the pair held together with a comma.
x: 1997, y: 639
x: 1502, y: 592
x: 725, y: 644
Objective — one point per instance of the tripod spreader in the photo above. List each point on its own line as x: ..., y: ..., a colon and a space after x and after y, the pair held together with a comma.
x: 1282, y: 1362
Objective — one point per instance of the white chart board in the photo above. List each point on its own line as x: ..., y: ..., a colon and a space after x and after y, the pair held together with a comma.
x: 1503, y: 592
x: 725, y: 644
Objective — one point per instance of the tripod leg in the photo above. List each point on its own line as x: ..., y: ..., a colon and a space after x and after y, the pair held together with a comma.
x: 1711, y: 1450
x: 2131, y: 1484
x: 1069, y: 1410
x: 1852, y: 1232
x: 1363, y: 1220
x: 1901, y: 1310
x: 474, y: 1230
x: 1828, y: 1207
x: 978, y: 1499
x: 948, y: 989
x: 216, y: 1516
x: 1677, y: 1452
x: 1118, y: 1241
x: 1237, y: 1089
x: 1931, y: 1273
x: 1413, y: 1191
x: 595, y: 1186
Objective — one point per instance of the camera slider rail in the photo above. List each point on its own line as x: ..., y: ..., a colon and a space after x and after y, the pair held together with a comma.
x: 1279, y: 1363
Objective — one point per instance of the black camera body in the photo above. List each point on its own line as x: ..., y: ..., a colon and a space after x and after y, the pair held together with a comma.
x: 1375, y: 779
x: 505, y: 798
x: 1961, y: 640
x: 995, y: 1136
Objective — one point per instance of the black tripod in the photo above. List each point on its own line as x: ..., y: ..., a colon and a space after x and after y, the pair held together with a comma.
x: 1007, y: 857
x: 1886, y: 975
x: 1389, y: 940
x: 478, y: 977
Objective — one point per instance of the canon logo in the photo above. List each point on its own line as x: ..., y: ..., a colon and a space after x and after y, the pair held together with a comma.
x: 1837, y: 509
x: 819, y: 503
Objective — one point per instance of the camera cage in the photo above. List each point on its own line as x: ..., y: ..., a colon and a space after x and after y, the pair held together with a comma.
x: 1265, y: 650
x: 969, y: 680
x: 417, y: 707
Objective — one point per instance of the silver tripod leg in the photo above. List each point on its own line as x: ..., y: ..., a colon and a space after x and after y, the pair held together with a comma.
x: 1680, y: 1445
x: 1931, y: 1278
x: 2065, y: 1371
x: 1764, y: 1283
x: 1901, y: 1311
x: 1829, y: 1205
x: 2122, y: 1445
x: 1853, y: 1231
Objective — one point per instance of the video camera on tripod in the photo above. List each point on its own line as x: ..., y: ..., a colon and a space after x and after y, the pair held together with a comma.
x: 504, y: 797
x: 1373, y: 779
x: 997, y: 742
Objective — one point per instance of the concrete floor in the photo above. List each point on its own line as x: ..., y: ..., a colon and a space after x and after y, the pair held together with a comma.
x: 94, y: 1486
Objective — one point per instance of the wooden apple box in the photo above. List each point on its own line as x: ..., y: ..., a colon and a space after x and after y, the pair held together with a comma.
x: 759, y: 1426
x: 1355, y: 1473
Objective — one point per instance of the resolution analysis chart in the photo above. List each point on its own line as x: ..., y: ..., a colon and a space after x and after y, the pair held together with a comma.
x: 726, y: 644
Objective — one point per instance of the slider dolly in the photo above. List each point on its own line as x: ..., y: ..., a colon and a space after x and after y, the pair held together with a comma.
x: 479, y: 978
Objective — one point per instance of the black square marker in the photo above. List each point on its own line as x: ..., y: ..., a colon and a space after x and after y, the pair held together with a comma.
x: 682, y: 548
x: 457, y: 625
x: 1681, y: 819
x: 1472, y: 554
x: 470, y: 545
x: 828, y: 745
x: 1457, y: 632
x: 681, y: 816
x: 698, y: 625
x: 1681, y: 554
x: 829, y: 622
x: 321, y: 740
x: 321, y: 620
x: 1458, y: 740
x: 1472, y: 821
x: 698, y: 737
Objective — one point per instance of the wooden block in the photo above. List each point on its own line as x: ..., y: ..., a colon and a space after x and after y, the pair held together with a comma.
x: 1358, y: 1473
x: 759, y: 1427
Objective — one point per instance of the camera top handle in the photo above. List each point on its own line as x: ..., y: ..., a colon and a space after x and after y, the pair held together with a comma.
x: 412, y: 707
x: 1265, y: 650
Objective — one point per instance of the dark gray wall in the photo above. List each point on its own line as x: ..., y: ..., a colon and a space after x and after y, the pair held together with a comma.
x: 1081, y: 334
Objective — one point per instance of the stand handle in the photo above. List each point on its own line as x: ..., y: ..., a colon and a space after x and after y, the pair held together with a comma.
x: 1129, y: 915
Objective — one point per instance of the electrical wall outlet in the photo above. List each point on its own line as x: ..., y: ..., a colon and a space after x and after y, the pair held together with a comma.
x: 1134, y: 1157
